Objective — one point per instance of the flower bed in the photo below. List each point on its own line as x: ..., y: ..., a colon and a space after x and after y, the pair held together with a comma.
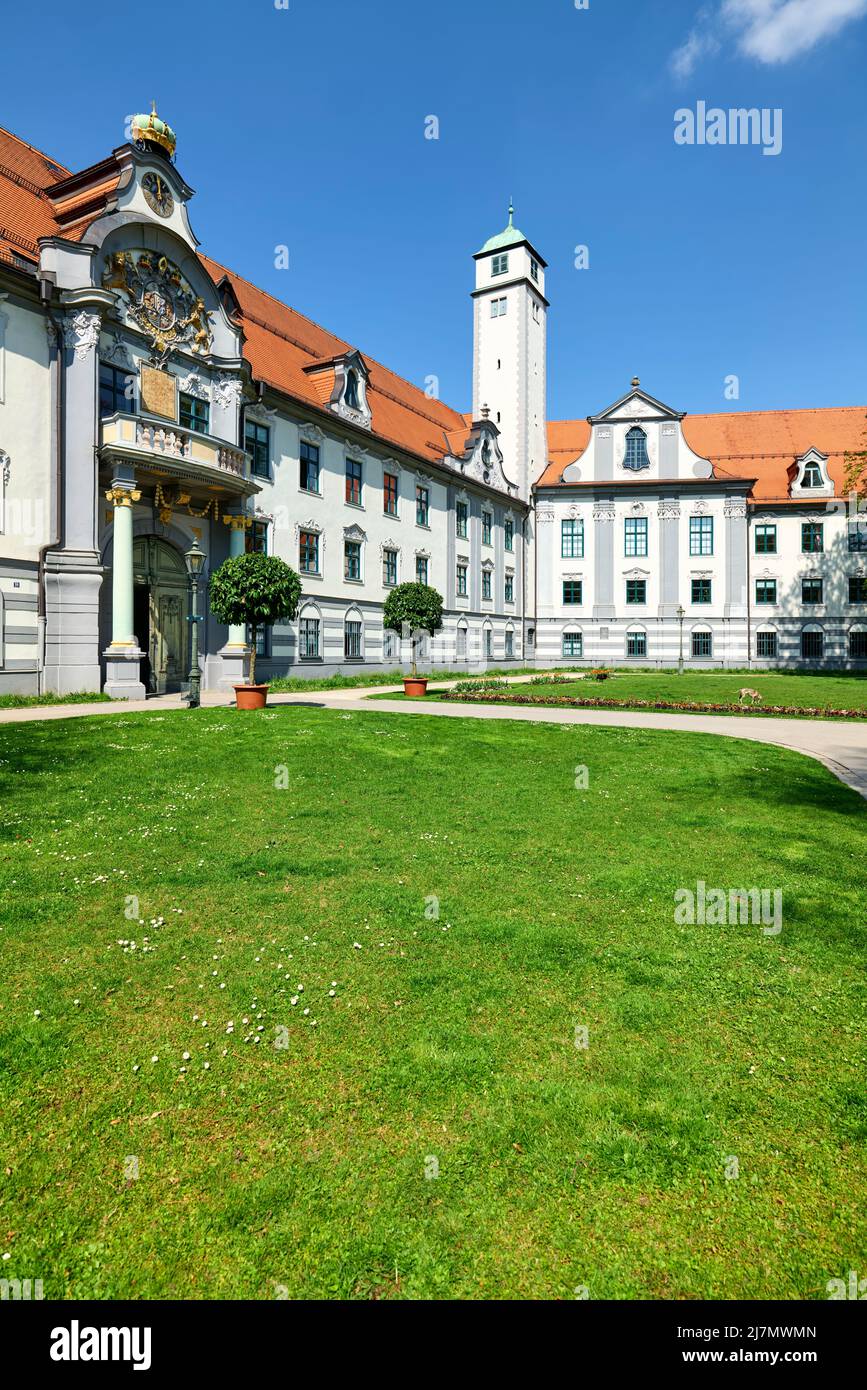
x: 480, y: 696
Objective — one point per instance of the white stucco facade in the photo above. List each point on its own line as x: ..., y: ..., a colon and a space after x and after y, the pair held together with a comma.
x: 148, y: 399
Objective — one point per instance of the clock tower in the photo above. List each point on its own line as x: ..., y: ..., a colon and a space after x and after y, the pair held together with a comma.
x: 509, y: 351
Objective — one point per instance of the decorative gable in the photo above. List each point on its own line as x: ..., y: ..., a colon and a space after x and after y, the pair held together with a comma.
x: 341, y: 384
x: 482, y: 457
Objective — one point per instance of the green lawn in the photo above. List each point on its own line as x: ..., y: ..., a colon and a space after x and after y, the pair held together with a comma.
x: 26, y: 701
x: 447, y: 1041
x: 800, y: 691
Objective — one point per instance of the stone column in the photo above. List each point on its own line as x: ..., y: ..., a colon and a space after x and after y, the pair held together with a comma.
x: 123, y: 680
x: 235, y: 654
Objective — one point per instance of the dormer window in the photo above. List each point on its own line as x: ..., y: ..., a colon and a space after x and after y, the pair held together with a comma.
x: 500, y: 264
x: 636, y: 450
x: 350, y: 395
x: 812, y: 476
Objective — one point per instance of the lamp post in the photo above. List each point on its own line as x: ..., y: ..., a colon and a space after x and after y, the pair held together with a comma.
x: 681, y: 613
x: 194, y: 559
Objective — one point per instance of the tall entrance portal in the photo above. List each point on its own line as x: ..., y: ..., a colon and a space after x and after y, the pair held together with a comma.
x: 161, y: 606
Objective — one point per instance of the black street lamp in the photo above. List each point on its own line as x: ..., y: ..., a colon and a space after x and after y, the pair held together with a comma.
x: 194, y: 559
x: 681, y: 613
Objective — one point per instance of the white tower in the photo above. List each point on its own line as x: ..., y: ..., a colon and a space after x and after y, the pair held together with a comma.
x: 509, y: 351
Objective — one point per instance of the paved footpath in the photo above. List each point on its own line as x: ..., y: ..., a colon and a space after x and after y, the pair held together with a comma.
x: 840, y: 746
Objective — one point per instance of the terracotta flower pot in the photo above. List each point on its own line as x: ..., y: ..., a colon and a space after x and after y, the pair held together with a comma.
x: 414, y: 685
x: 251, y: 696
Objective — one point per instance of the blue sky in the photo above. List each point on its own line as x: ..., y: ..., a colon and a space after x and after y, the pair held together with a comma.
x: 305, y: 127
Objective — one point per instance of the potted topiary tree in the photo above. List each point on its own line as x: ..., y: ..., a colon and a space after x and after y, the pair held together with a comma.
x: 254, y: 591
x: 413, y: 608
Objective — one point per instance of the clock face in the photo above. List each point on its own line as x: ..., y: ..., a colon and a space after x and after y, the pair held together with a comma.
x: 158, y: 195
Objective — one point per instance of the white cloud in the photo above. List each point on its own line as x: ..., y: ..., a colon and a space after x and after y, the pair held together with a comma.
x: 771, y: 31
x: 700, y: 44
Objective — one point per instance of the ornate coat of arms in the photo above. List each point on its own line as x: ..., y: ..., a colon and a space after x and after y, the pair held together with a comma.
x: 160, y: 302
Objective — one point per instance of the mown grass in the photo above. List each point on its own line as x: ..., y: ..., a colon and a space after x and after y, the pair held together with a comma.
x: 449, y: 1040
x: 284, y: 685
x: 794, y: 690
x: 82, y: 697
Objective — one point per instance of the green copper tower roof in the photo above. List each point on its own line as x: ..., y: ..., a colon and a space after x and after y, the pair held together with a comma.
x: 512, y: 236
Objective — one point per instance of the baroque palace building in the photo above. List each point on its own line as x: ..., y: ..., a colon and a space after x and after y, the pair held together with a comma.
x: 149, y: 397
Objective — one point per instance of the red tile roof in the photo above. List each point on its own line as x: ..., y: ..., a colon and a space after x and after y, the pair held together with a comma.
x: 760, y: 444
x: 26, y: 214
x: 281, y: 344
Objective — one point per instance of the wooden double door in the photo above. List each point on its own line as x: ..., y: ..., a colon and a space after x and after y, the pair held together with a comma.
x: 161, y: 607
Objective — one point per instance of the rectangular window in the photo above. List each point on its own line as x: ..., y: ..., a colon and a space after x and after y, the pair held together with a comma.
x: 309, y: 478
x: 509, y: 533
x: 811, y: 537
x: 858, y: 588
x: 461, y: 644
x: 636, y: 591
x: 573, y: 591
x: 573, y: 644
x: 461, y: 519
x: 857, y: 535
x: 352, y: 560
x: 636, y: 644
x: 462, y: 581
x: 500, y: 264
x: 352, y: 641
x: 486, y: 583
x: 509, y: 594
x: 263, y: 641
x: 389, y: 646
x: 766, y: 644
x: 858, y: 646
x: 308, y: 639
x: 766, y: 591
x: 422, y: 506
x: 257, y: 442
x: 389, y: 494
x: 510, y: 643
x: 572, y: 540
x: 635, y: 535
x: 811, y: 591
x: 308, y: 552
x: 702, y: 644
x: 701, y: 589
x: 766, y: 539
x: 353, y: 483
x: 389, y: 568
x: 701, y: 535
x: 498, y: 308
x: 194, y: 414
x: 534, y: 268
x: 421, y: 569
x: 812, y: 645
x: 113, y: 396
x: 256, y: 539
x: 487, y: 521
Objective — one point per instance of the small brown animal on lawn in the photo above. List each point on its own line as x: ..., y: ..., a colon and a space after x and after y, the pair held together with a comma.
x: 745, y: 693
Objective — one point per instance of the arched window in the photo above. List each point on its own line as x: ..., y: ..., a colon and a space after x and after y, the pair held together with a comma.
x: 636, y: 450
x: 350, y: 395
x: 353, y: 636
